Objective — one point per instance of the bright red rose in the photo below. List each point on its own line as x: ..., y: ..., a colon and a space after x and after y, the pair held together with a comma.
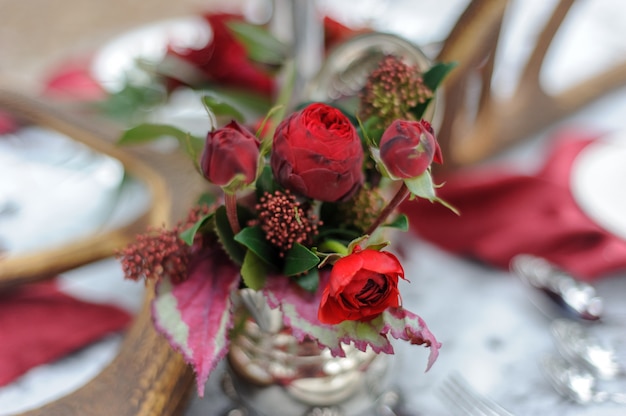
x: 361, y: 286
x: 224, y: 59
x: 228, y: 152
x: 317, y: 153
x: 407, y: 148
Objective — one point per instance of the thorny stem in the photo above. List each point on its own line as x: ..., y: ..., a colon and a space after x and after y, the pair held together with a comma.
x: 230, y: 201
x: 397, y: 199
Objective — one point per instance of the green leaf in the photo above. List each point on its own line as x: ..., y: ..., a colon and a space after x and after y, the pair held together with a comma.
x: 299, y: 259
x: 131, y: 99
x: 260, y: 45
x: 235, y: 251
x: 401, y: 222
x: 147, y: 132
x: 253, y: 271
x: 190, y: 233
x: 219, y: 107
x: 207, y: 199
x: 254, y: 239
x: 251, y: 104
x: 265, y: 182
x: 309, y: 281
x: 372, y: 131
x: 437, y: 73
x: 432, y: 79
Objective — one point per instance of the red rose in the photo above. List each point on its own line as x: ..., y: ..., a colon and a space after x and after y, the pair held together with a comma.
x: 317, y: 153
x: 361, y: 286
x: 228, y: 152
x: 335, y: 32
x: 407, y: 148
x: 224, y: 60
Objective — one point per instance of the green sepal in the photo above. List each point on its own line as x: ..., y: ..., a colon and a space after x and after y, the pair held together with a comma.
x: 253, y: 271
x: 422, y: 186
x: 253, y: 238
x: 190, y: 233
x: 261, y: 46
x: 309, y: 281
x: 299, y: 259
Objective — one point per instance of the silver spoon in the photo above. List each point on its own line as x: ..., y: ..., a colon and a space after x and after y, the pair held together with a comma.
x: 556, y: 293
x: 578, y: 345
x: 577, y: 383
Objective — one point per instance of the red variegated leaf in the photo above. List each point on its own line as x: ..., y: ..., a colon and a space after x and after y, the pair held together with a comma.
x: 405, y: 325
x: 196, y: 315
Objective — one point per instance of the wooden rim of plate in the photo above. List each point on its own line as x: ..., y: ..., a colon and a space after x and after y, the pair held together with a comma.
x: 146, y: 377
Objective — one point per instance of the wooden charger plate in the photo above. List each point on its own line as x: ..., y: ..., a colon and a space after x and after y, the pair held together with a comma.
x: 146, y: 377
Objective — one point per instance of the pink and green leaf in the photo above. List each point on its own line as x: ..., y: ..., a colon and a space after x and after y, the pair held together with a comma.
x: 196, y: 315
x: 300, y: 307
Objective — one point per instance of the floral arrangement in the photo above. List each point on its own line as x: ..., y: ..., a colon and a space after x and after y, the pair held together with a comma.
x: 306, y: 196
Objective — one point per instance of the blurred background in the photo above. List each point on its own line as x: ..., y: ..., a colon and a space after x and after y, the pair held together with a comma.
x: 35, y: 34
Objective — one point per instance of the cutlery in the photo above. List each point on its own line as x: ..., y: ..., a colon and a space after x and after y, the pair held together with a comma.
x: 576, y: 344
x: 558, y: 294
x: 577, y: 383
x: 464, y: 400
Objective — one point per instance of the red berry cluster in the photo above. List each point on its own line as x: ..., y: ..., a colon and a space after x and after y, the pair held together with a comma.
x: 284, y: 221
x: 160, y: 252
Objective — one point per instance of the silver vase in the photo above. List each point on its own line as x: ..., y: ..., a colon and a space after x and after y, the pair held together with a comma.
x: 271, y: 373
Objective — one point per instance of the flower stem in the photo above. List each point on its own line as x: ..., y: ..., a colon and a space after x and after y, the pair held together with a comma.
x: 397, y: 199
x: 230, y: 201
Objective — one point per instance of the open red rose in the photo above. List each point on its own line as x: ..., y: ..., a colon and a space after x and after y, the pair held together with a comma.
x: 230, y: 152
x: 361, y: 286
x: 407, y: 148
x: 317, y: 153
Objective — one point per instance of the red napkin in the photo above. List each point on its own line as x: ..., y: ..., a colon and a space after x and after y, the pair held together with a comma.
x: 72, y: 80
x: 504, y: 213
x: 39, y: 324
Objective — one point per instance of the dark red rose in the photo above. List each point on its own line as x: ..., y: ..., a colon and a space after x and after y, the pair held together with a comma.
x: 317, y: 153
x: 228, y: 152
x: 224, y: 60
x: 407, y: 148
x: 361, y: 286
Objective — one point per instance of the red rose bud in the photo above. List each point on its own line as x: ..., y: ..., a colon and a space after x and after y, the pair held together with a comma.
x: 361, y: 286
x: 407, y: 148
x: 317, y: 153
x: 230, y: 152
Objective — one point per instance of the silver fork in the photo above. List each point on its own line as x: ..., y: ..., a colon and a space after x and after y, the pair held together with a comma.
x: 463, y: 399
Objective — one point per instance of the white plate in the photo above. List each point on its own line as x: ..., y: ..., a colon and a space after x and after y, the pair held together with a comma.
x: 117, y: 60
x: 598, y: 182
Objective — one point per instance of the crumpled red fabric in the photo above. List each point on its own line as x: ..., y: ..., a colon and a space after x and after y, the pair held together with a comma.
x: 40, y: 324
x: 504, y: 213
